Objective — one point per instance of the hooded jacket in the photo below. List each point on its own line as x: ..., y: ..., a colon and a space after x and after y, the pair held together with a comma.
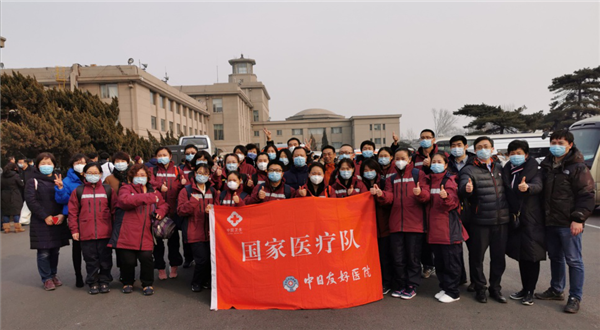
x: 443, y: 220
x: 70, y: 182
x: 92, y: 218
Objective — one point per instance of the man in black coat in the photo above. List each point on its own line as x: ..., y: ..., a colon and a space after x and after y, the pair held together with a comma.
x: 481, y: 184
x: 568, y: 202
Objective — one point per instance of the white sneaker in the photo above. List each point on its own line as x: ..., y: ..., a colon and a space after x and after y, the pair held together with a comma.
x: 447, y: 299
x: 439, y: 294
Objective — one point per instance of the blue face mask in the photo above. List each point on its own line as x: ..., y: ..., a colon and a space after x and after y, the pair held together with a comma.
x: 46, y: 169
x: 484, y: 154
x: 367, y: 153
x: 517, y: 160
x: 457, y: 152
x: 201, y: 178
x: 92, y: 178
x: 346, y: 174
x: 189, y: 157
x: 140, y: 180
x: 252, y: 155
x: 437, y: 168
x: 385, y: 161
x: 343, y: 156
x: 299, y: 161
x: 558, y: 150
x: 370, y: 175
x: 163, y: 160
x: 198, y: 162
x: 272, y: 155
x: 275, y: 176
x: 121, y: 166
x: 285, y: 161
x: 231, y: 166
x: 425, y: 143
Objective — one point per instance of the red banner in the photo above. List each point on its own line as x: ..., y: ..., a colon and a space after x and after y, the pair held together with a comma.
x: 302, y: 253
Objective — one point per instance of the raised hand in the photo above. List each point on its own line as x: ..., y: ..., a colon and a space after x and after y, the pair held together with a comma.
x: 208, y: 208
x: 58, y: 181
x: 250, y: 183
x: 307, y: 144
x: 523, y: 186
x: 469, y: 186
x: 236, y: 198
x: 302, y: 192
x: 427, y: 161
x: 267, y: 133
x: 351, y: 190
x: 76, y: 236
x: 375, y: 191
x: 183, y: 181
x: 417, y: 190
x: 395, y: 137
x: 164, y: 187
x: 261, y: 193
x: 443, y: 193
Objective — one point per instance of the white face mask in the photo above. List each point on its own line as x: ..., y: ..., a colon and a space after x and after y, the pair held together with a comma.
x: 262, y: 166
x: 316, y: 179
x: 78, y: 168
x: 401, y: 164
x: 233, y: 185
x: 241, y: 157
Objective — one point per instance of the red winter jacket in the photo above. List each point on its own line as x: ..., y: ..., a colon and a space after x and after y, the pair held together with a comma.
x: 327, y: 191
x: 419, y: 157
x: 389, y: 171
x: 261, y: 177
x: 270, y: 193
x: 382, y: 212
x: 228, y: 198
x: 246, y: 168
x: 132, y: 229
x: 195, y: 225
x: 443, y: 219
x: 91, y: 218
x: 407, y: 214
x: 172, y: 176
x: 341, y: 191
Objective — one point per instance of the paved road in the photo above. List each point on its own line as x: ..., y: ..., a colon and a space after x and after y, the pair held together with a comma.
x: 25, y: 305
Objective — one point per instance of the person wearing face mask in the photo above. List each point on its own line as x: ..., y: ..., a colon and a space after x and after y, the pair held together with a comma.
x: 194, y: 204
x: 90, y: 222
x: 407, y: 192
x: 367, y: 149
x: 190, y: 152
x: 243, y: 167
x: 261, y: 176
x: 346, y: 152
x: 298, y: 174
x: 328, y: 161
x: 526, y: 239
x: 168, y: 180
x: 384, y: 158
x: 285, y: 157
x: 445, y: 230
x: 12, y: 199
x: 132, y: 236
x: 567, y: 205
x: 233, y: 193
x: 63, y: 189
x: 119, y: 174
x: 48, y: 229
x: 370, y: 171
x: 346, y: 182
x: 25, y: 171
x: 315, y: 187
x: 271, y: 152
x: 232, y: 163
x: 252, y: 153
x: 274, y: 189
x: 482, y: 183
x: 293, y: 143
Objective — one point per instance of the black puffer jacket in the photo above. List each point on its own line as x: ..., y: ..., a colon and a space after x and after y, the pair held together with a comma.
x: 12, y: 200
x: 528, y: 241
x: 568, y: 190
x: 487, y: 202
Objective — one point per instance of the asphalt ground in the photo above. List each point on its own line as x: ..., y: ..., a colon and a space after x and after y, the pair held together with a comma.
x: 25, y: 305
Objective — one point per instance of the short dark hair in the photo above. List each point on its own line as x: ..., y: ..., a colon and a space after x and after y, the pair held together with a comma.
x: 403, y: 149
x: 483, y: 138
x: 10, y: 167
x: 42, y: 156
x: 316, y: 164
x: 518, y: 144
x: 122, y: 155
x: 163, y: 148
x: 371, y: 163
x: 441, y: 154
x: 231, y: 155
x: 327, y: 147
x: 77, y: 157
x: 386, y: 149
x: 94, y: 164
x: 346, y: 161
x: 427, y: 130
x: 92, y: 155
x: 562, y: 134
x: 275, y: 162
x: 192, y: 146
x: 199, y: 166
x: 251, y: 146
x: 347, y: 145
x: 292, y: 139
x: 457, y: 138
x: 136, y: 168
x: 241, y: 148
x: 236, y: 173
x: 367, y: 143
x: 268, y: 146
x: 300, y: 148
x: 104, y: 155
x: 11, y: 158
x: 200, y: 154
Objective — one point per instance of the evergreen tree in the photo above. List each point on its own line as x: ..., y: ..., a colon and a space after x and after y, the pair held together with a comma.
x: 494, y: 120
x: 324, y: 140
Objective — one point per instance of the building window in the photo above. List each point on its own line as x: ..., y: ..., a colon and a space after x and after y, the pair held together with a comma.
x: 279, y: 132
x: 384, y: 141
x: 336, y: 130
x: 153, y: 122
x: 337, y: 145
x: 178, y: 129
x: 196, y: 131
x: 171, y: 126
x: 109, y: 91
x: 162, y: 125
x: 184, y: 113
x: 384, y: 128
x: 177, y: 107
x: 152, y: 98
x: 377, y: 127
x: 296, y: 131
x: 377, y: 141
x: 242, y: 68
x: 255, y: 115
x: 316, y: 131
x: 219, y: 135
x: 169, y: 105
x: 190, y: 113
x: 191, y: 131
x: 217, y: 105
x: 162, y: 101
x: 256, y: 133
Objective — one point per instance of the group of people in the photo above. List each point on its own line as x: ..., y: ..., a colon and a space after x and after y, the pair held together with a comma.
x: 427, y: 204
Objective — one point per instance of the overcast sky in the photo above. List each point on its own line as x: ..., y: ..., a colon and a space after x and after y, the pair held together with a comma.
x: 350, y: 58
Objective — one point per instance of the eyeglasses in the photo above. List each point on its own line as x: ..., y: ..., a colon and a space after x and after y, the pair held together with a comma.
x: 274, y: 171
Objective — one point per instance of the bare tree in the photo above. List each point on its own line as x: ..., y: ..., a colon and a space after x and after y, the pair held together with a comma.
x: 444, y: 122
x: 409, y: 135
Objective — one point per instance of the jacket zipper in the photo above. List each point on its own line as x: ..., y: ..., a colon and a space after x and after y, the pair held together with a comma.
x: 497, y: 197
x: 143, y: 225
x: 401, y: 203
x: 95, y: 222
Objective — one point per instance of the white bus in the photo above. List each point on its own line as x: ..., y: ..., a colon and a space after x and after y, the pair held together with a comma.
x: 539, y: 147
x: 587, y: 140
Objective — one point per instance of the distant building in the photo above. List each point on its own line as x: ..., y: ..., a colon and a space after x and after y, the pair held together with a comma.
x: 146, y: 103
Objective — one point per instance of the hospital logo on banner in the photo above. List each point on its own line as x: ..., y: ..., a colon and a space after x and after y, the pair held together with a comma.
x: 290, y: 284
x: 234, y: 219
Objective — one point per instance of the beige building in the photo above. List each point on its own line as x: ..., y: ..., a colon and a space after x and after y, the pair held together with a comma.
x: 234, y: 106
x: 146, y: 103
x: 317, y: 123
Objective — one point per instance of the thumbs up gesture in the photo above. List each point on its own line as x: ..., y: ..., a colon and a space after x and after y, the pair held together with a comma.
x: 351, y: 190
x: 208, y: 208
x: 395, y: 137
x: 261, y: 193
x: 417, y: 190
x: 469, y: 186
x: 427, y: 161
x: 302, y: 192
x: 375, y: 191
x: 250, y: 183
x: 523, y: 187
x: 236, y: 198
x: 183, y: 181
x: 443, y: 193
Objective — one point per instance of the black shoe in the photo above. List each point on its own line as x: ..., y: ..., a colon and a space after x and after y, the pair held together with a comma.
x: 550, y: 294
x: 187, y: 264
x: 481, y: 297
x: 128, y: 289
x: 518, y: 295
x: 498, y: 297
x: 94, y: 289
x: 148, y: 291
x: 196, y: 288
x: 79, y: 281
x: 206, y: 285
x: 386, y: 290
x: 471, y: 287
x: 572, y: 305
x: 104, y: 288
x: 528, y: 299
